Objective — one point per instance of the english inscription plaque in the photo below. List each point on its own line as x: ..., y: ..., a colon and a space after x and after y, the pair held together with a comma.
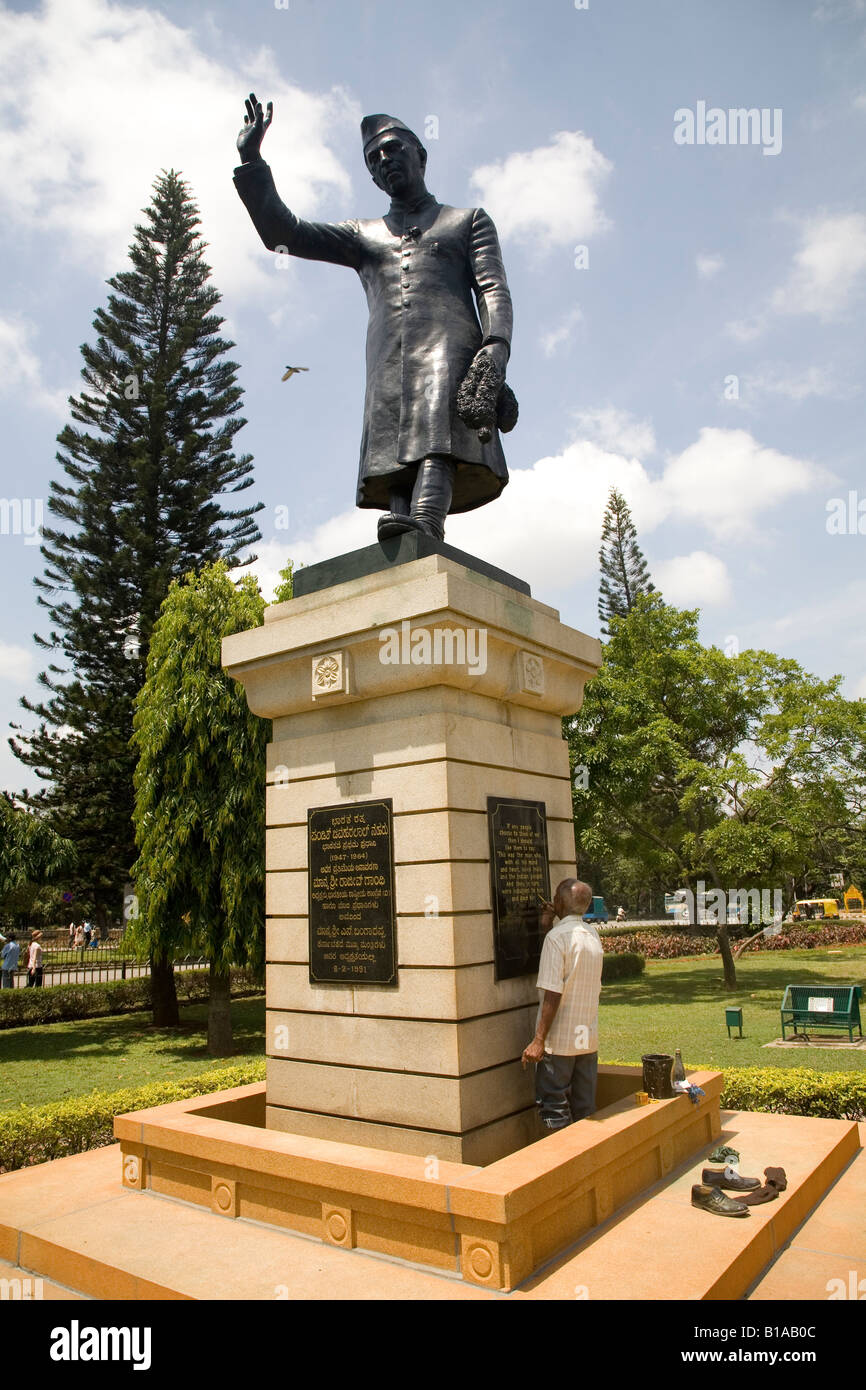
x: 519, y: 870
x: 352, y: 923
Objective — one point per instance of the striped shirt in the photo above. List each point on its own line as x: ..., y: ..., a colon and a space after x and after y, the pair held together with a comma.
x: 570, y: 965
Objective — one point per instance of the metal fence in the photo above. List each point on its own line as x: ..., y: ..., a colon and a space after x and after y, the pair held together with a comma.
x: 93, y: 965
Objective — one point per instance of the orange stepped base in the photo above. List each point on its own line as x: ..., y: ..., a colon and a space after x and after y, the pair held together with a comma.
x: 493, y: 1225
x: 73, y: 1225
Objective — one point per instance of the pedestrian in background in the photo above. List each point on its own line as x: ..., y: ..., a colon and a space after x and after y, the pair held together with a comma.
x: 9, y: 959
x: 34, y: 962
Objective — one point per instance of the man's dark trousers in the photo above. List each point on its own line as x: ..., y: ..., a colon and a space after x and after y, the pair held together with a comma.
x: 565, y: 1088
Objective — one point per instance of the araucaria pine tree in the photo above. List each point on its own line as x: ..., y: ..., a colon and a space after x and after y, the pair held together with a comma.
x: 624, y: 572
x: 147, y: 463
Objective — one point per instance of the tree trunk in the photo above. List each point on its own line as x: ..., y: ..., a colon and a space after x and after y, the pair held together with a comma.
x: 745, y: 944
x: 163, y: 994
x: 219, y: 1015
x: 727, y: 957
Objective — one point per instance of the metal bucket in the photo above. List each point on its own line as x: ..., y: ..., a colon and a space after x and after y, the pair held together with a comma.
x: 657, y: 1068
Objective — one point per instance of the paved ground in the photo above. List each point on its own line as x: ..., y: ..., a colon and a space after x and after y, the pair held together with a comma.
x: 71, y: 1223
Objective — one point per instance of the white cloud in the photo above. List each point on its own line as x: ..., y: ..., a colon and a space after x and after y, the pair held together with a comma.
x: 16, y: 663
x: 336, y: 536
x: 859, y: 688
x: 535, y: 536
x: 548, y: 196
x: 697, y: 580
x: 798, y: 386
x: 562, y: 333
x: 839, y: 9
x: 839, y: 617
x: 548, y: 520
x: 21, y: 371
x: 709, y: 264
x: 746, y: 330
x: 829, y: 268
x: 726, y: 478
x: 114, y: 93
x: 617, y: 430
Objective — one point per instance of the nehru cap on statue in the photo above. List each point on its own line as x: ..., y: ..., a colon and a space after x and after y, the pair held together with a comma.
x: 374, y: 126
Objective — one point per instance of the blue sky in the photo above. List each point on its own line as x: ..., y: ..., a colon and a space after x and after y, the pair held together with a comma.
x: 704, y: 353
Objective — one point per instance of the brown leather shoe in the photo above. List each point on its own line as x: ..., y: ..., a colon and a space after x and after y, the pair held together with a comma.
x: 712, y: 1199
x: 727, y: 1178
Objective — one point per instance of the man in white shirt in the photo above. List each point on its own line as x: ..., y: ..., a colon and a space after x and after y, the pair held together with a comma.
x: 565, y: 1046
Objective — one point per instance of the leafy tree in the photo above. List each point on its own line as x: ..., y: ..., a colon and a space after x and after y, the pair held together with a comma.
x: 147, y: 463
x: 200, y: 790
x: 738, y: 771
x: 624, y: 572
x: 31, y: 854
x: 285, y: 588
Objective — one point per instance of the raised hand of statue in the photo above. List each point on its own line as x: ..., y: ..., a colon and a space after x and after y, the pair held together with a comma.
x: 255, y: 125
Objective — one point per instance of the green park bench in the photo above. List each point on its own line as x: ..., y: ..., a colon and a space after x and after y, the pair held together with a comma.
x: 814, y: 1007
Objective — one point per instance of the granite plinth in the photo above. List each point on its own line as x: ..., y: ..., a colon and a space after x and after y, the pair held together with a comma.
x: 426, y: 688
x: 388, y: 554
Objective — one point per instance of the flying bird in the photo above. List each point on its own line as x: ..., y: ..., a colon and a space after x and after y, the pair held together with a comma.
x: 290, y: 371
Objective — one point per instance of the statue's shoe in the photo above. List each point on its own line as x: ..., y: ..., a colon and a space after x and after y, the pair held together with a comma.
x: 711, y: 1199
x: 395, y: 524
x: 727, y: 1178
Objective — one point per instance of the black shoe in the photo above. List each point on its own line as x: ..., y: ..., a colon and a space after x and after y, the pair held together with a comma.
x: 431, y: 496
x: 711, y: 1199
x: 394, y: 524
x: 729, y: 1179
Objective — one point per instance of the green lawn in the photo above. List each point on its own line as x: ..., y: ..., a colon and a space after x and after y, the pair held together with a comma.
x: 59, y: 1060
x: 681, y: 1003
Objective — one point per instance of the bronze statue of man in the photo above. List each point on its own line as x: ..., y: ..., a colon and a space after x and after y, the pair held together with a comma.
x: 424, y: 267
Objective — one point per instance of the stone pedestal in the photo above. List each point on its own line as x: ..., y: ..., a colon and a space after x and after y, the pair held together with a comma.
x: 365, y: 706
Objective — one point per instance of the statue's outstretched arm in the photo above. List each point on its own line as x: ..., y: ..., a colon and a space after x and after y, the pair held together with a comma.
x: 277, y: 225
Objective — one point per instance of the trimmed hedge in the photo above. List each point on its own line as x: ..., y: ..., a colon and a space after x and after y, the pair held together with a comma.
x: 36, y: 1134
x: 673, y: 944
x: 803, y: 938
x: 22, y: 1008
x: 826, y: 1095
x: 654, y: 947
x: 622, y: 965
x: 833, y: 1095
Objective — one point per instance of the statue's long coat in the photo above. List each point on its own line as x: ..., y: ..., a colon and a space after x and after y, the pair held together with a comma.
x: 420, y: 268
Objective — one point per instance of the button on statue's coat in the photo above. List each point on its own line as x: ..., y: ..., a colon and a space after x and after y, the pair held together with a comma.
x: 424, y: 268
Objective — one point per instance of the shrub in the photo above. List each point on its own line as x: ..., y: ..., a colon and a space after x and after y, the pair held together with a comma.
x: 622, y: 965
x: 36, y: 1134
x: 826, y: 1095
x: 669, y: 945
x: 660, y: 947
x: 837, y: 1095
x: 795, y: 936
x: 20, y: 1008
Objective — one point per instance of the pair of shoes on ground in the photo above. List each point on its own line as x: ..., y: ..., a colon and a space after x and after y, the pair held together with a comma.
x: 709, y: 1195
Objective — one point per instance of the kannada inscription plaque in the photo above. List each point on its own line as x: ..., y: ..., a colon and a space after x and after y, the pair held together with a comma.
x: 352, y: 924
x: 519, y: 870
